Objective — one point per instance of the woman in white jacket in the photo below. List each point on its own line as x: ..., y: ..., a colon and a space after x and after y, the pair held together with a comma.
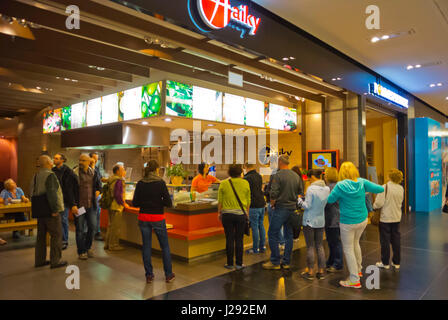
x: 390, y: 201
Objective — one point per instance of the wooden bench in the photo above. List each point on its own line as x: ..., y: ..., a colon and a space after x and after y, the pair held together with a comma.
x: 17, y: 226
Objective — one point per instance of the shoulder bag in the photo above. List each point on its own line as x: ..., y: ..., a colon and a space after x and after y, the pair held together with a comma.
x: 40, y: 207
x: 247, y: 223
x: 375, y: 220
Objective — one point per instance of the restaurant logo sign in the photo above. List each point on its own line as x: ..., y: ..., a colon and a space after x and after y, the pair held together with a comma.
x: 219, y: 14
x: 387, y: 94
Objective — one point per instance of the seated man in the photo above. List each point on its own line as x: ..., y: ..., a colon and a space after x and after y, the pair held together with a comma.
x: 11, y: 192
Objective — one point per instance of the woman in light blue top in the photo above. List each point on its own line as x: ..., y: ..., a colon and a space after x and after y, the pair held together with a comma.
x: 11, y: 192
x: 314, y: 223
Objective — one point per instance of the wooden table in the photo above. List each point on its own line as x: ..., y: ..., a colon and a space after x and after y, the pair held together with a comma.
x: 18, y: 208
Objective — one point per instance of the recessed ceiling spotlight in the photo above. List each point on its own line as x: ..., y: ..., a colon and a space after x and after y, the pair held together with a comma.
x: 100, y: 68
x: 439, y: 84
x: 38, y: 88
x: 334, y: 79
x: 375, y: 39
x: 432, y: 85
x: 446, y: 98
x: 211, y: 125
x: 410, y: 67
x: 92, y: 67
x: 292, y: 58
x: 385, y: 37
x: 66, y: 79
x: 168, y: 119
x: 285, y: 59
x: 74, y: 80
x: 339, y: 79
x: 145, y: 122
x: 57, y: 78
x: 418, y: 66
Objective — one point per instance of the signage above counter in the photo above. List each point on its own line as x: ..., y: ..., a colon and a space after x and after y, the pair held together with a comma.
x: 389, y: 95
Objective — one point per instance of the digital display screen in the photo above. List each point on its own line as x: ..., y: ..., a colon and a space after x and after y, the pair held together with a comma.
x: 254, y: 113
x: 322, y: 159
x: 94, y: 112
x: 207, y: 104
x: 78, y: 116
x: 52, y: 121
x: 109, y: 108
x: 129, y: 104
x: 66, y: 114
x: 280, y: 117
x: 179, y: 99
x: 233, y: 109
x: 151, y: 101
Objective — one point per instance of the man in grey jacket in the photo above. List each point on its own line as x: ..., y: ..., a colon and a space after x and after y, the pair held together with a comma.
x: 46, y: 182
x: 284, y: 193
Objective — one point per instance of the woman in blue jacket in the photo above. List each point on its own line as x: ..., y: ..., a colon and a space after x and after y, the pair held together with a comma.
x: 314, y: 223
x: 350, y: 192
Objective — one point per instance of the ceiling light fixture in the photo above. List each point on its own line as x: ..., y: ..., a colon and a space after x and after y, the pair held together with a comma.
x: 418, y: 66
x: 168, y: 119
x: 38, y: 88
x: 375, y: 39
x: 100, y: 68
x: 211, y: 125
x: 439, y: 84
x: 385, y: 37
x: 432, y: 85
x: 145, y: 122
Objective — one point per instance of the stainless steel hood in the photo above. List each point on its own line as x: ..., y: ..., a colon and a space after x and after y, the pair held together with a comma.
x: 116, y: 136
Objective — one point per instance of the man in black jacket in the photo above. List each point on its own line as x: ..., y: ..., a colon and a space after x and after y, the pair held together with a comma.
x: 67, y: 180
x: 257, y: 209
x: 88, y: 188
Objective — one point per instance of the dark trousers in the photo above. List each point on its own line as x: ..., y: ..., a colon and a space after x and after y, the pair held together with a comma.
x: 390, y: 235
x: 85, y: 230
x: 52, y: 225
x: 335, y: 245
x: 18, y: 217
x: 314, y: 238
x: 234, y: 229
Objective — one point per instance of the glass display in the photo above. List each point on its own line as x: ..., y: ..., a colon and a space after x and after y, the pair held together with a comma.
x: 280, y: 117
x: 66, y: 118
x: 52, y: 121
x: 94, y: 112
x: 233, y: 109
x: 78, y: 116
x: 151, y: 99
x: 109, y: 108
x: 179, y: 99
x: 207, y: 104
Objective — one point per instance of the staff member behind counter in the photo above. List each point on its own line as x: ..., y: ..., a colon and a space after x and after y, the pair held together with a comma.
x: 203, y: 180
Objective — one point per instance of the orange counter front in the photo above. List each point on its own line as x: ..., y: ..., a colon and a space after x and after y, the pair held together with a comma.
x: 195, y: 234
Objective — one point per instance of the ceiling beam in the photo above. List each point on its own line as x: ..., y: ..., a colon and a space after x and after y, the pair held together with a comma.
x: 17, y: 95
x: 43, y: 84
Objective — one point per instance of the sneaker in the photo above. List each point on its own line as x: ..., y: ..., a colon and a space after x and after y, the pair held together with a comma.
x: 263, y: 250
x: 320, y: 276
x: 396, y: 266
x: 83, y: 256
x: 270, y: 266
x: 150, y: 278
x: 170, y: 278
x: 360, y: 274
x: 251, y: 251
x: 349, y: 284
x: 241, y: 267
x: 307, y: 276
x: 64, y: 246
x: 228, y: 266
x: 333, y: 270
x: 90, y: 253
x: 381, y: 265
x: 286, y: 266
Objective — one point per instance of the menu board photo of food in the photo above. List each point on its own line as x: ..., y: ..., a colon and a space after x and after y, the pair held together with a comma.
x: 66, y: 121
x: 129, y: 104
x: 280, y: 117
x: 151, y: 101
x: 109, y: 108
x: 233, y: 109
x: 78, y: 117
x: 52, y: 121
x: 179, y: 99
x: 207, y: 104
x: 93, y: 112
x: 254, y: 113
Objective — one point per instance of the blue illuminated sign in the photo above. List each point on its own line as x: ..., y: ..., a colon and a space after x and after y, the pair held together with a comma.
x: 387, y: 94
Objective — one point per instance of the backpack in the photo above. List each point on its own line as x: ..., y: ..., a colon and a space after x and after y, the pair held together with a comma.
x: 106, y: 197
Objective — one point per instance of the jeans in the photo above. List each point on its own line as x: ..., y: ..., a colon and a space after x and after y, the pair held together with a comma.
x: 280, y: 218
x: 159, y: 228
x: 256, y: 217
x: 350, y: 235
x: 314, y: 238
x: 282, y: 235
x: 234, y: 229
x: 390, y: 235
x: 52, y: 225
x: 335, y: 245
x: 64, y: 222
x: 98, y: 213
x: 85, y: 230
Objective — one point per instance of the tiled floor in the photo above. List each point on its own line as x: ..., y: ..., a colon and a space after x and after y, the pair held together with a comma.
x: 424, y: 272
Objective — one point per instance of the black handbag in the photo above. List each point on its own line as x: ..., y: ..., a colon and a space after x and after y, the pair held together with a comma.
x: 295, y: 220
x: 247, y: 223
x: 40, y: 207
x: 445, y: 208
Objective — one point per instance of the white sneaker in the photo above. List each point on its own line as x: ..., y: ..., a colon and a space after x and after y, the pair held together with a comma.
x: 381, y: 265
x: 396, y: 266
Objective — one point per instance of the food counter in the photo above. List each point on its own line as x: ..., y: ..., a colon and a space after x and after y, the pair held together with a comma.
x: 194, y: 230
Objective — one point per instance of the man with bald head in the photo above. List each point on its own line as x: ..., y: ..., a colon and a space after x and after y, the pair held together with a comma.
x: 47, y: 206
x: 87, y: 190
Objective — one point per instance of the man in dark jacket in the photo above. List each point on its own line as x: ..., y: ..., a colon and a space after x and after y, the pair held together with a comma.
x: 67, y: 180
x: 87, y: 190
x: 256, y: 210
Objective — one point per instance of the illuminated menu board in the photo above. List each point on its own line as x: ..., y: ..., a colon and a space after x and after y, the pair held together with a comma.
x: 52, y: 121
x: 233, y: 109
x: 109, y: 108
x: 280, y: 117
x: 151, y: 101
x: 66, y: 115
x: 207, y: 104
x: 78, y: 116
x: 254, y: 112
x: 94, y: 112
x: 129, y: 102
x: 179, y: 99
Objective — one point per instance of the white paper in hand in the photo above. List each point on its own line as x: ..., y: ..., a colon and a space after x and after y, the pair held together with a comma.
x: 81, y: 211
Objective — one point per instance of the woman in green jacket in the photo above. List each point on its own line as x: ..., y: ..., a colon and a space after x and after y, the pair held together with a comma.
x: 233, y: 218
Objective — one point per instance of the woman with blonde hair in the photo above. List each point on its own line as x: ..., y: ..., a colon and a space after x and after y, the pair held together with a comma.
x: 350, y: 192
x: 390, y: 201
x: 335, y: 260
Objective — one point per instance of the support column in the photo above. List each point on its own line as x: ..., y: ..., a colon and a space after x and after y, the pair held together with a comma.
x: 324, y: 124
x: 344, y: 128
x: 303, y: 136
x: 362, y: 136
